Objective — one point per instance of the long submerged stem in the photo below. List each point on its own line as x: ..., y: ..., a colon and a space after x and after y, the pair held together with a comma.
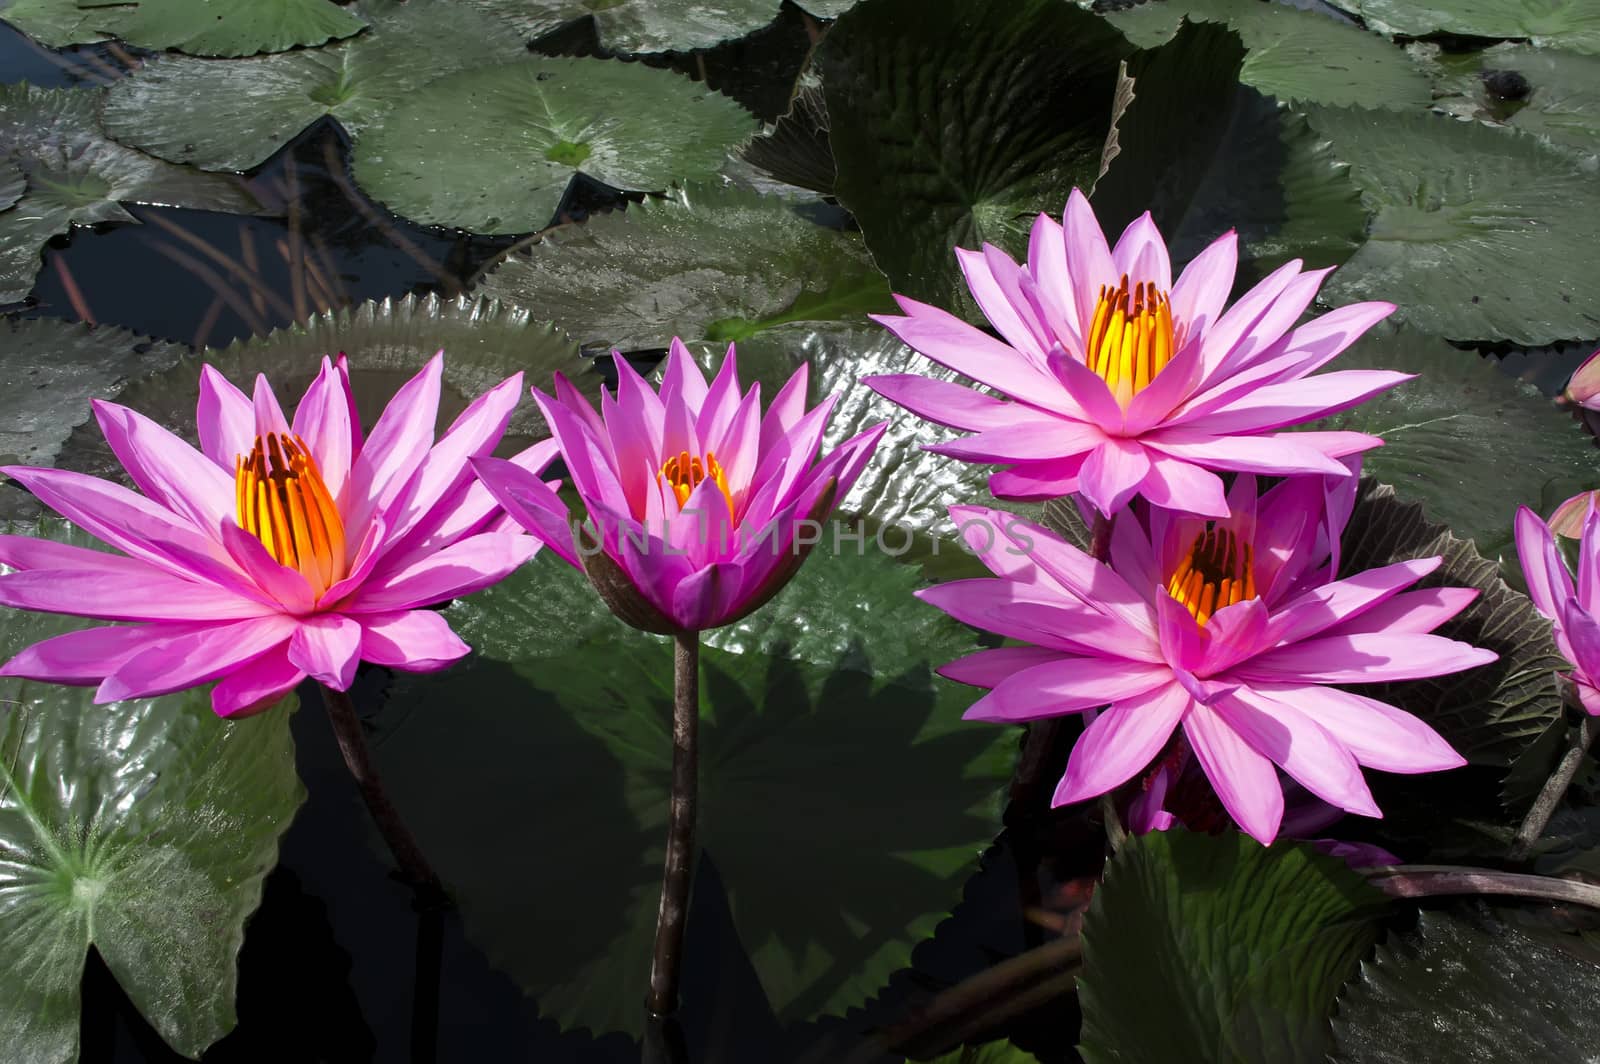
x: 679, y: 866
x: 1431, y: 881
x: 1555, y: 788
x: 414, y: 866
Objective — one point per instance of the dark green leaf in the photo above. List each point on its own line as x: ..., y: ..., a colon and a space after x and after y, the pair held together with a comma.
x: 1001, y: 1052
x: 198, y: 27
x: 561, y: 724
x: 638, y: 26
x: 1211, y: 948
x: 493, y: 149
x: 12, y: 183
x: 1460, y: 990
x: 796, y: 149
x: 1573, y: 24
x: 141, y: 828
x: 703, y: 264
x: 1562, y: 100
x: 1292, y: 54
x: 955, y: 122
x: 232, y: 115
x: 1478, y: 232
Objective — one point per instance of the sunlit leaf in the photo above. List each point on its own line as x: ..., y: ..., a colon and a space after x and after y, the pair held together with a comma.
x: 1573, y: 24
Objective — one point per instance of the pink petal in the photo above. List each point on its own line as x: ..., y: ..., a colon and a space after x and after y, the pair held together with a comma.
x: 1142, y: 254
x: 460, y: 569
x: 1029, y: 441
x: 1088, y: 580
x: 1549, y: 583
x: 1112, y: 474
x: 1174, y: 484
x: 225, y: 418
x: 1038, y: 480
x: 396, y: 446
x: 989, y: 668
x: 193, y: 658
x: 1417, y: 612
x: 787, y: 407
x: 1204, y: 286
x: 1273, y: 456
x: 1235, y: 323
x: 1066, y: 685
x: 946, y: 403
x: 256, y: 685
x: 89, y: 656
x: 167, y: 469
x: 1120, y: 742
x: 1047, y: 265
x: 1242, y: 778
x: 1365, y: 658
x: 1261, y: 340
x: 1088, y: 258
x: 1087, y: 390
x: 411, y: 640
x: 1583, y: 637
x: 140, y: 594
x: 1293, y: 402
x: 592, y: 473
x: 1017, y: 324
x: 721, y: 401
x: 268, y: 414
x: 322, y: 420
x: 1301, y: 747
x: 1324, y: 607
x: 1379, y: 735
x: 278, y: 583
x: 1011, y: 610
x: 327, y: 647
x: 682, y: 379
x: 531, y: 503
x: 29, y: 552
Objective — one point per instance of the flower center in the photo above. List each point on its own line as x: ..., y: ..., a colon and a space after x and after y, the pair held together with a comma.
x: 684, y: 474
x: 1131, y: 338
x: 283, y: 502
x: 1215, y: 573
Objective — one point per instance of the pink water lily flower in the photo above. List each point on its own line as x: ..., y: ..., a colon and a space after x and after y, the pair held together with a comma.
x: 698, y: 505
x: 1124, y: 383
x: 1230, y: 631
x: 1574, y: 607
x: 277, y: 551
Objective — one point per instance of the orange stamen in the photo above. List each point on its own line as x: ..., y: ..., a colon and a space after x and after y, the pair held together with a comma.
x: 683, y: 474
x: 1217, y: 572
x: 1130, y: 337
x: 282, y: 501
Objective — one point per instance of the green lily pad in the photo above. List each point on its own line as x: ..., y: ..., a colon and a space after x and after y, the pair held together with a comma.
x: 1213, y: 949
x: 484, y: 342
x: 1573, y: 24
x: 988, y: 1053
x: 233, y: 115
x: 1465, y: 440
x: 1477, y: 230
x: 1292, y: 54
x: 12, y: 183
x: 955, y: 122
x: 1562, y: 106
x: 705, y: 263
x: 820, y: 684
x: 54, y: 23
x: 75, y: 176
x: 1245, y: 164
x: 492, y: 150
x: 640, y: 26
x: 1465, y: 990
x: 49, y: 370
x: 143, y: 829
x: 795, y: 150
x: 225, y: 27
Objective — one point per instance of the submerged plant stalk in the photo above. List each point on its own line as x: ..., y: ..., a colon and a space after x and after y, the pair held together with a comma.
x: 679, y: 866
x: 1555, y: 788
x: 414, y: 866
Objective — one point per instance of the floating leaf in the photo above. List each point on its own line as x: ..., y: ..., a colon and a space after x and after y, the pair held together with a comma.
x: 705, y: 263
x: 224, y: 27
x: 12, y: 183
x: 233, y: 115
x: 1573, y: 24
x: 1465, y: 440
x: 1490, y: 714
x: 75, y: 176
x: 49, y: 370
x: 1477, y: 230
x: 1211, y: 948
x: 820, y: 684
x: 492, y: 150
x: 796, y: 149
x: 55, y: 23
x: 1292, y: 54
x: 638, y: 26
x: 142, y: 828
x: 1562, y: 92
x: 484, y: 342
x: 989, y: 1053
x: 954, y: 122
x: 1463, y: 990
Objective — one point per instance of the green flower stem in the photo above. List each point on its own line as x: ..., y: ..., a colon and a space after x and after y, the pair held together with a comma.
x: 1428, y: 881
x: 1555, y: 788
x: 414, y: 867
x: 679, y: 866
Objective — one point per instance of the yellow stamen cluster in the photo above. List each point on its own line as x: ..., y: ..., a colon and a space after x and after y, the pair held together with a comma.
x: 1131, y: 338
x: 1217, y: 572
x: 283, y: 502
x: 684, y: 474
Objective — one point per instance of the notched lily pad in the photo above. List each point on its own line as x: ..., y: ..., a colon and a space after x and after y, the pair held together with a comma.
x: 493, y: 149
x: 142, y: 828
x: 639, y: 26
x: 1573, y: 24
x: 704, y: 263
x: 198, y: 27
x: 1553, y: 95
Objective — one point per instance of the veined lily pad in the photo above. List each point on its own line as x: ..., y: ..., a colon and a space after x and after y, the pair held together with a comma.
x: 1464, y: 990
x: 141, y: 828
x: 704, y: 263
x: 1214, y: 949
x: 75, y: 176
x: 638, y: 26
x: 387, y: 342
x: 12, y: 183
x: 820, y: 682
x: 492, y: 150
x: 1478, y: 232
x: 954, y: 122
x: 1465, y: 440
x: 198, y: 27
x: 1573, y: 24
x: 49, y: 370
x: 232, y: 115
x: 1562, y: 104
x: 1292, y: 55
